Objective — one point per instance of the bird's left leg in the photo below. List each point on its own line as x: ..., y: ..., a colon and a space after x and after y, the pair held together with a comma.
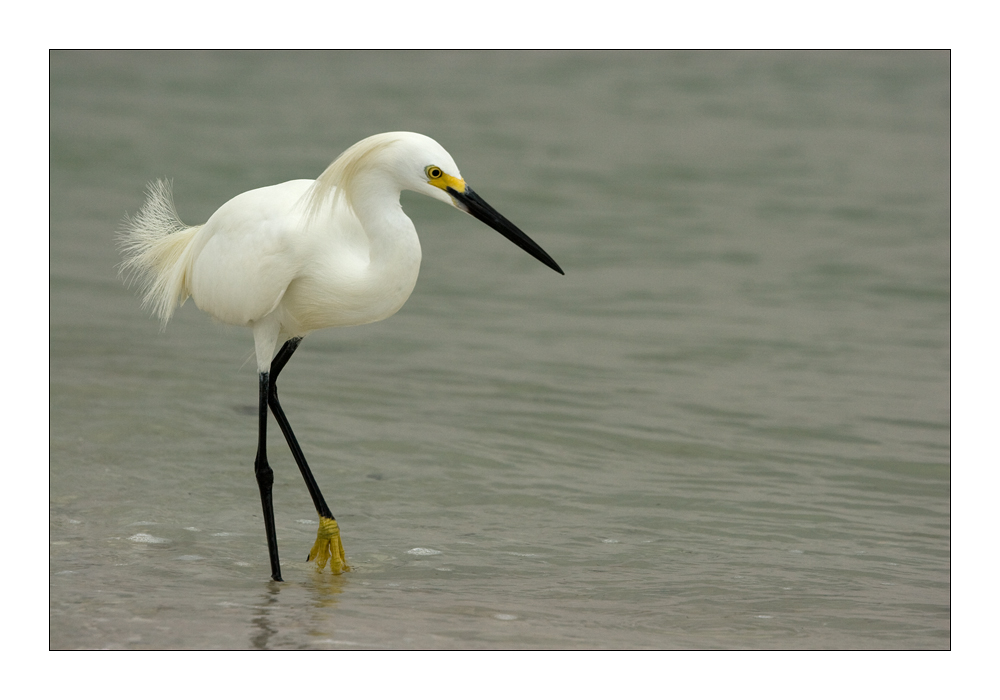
x: 328, y: 546
x: 265, y: 480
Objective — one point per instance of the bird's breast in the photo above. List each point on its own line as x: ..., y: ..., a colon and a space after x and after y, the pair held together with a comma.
x: 351, y: 286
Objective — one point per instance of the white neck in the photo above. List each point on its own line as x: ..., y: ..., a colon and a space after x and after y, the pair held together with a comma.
x: 394, y: 248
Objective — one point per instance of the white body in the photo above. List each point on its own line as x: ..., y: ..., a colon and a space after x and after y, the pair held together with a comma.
x: 259, y: 257
x: 292, y: 258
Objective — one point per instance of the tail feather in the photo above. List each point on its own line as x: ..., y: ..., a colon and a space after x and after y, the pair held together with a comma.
x: 155, y: 245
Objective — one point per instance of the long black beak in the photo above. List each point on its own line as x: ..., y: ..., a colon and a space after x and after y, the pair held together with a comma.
x: 473, y: 204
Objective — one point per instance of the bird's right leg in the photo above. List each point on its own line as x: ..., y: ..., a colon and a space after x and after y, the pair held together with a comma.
x: 265, y: 479
x: 328, y: 546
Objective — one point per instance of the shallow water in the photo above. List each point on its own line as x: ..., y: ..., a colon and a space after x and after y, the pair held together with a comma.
x: 726, y: 427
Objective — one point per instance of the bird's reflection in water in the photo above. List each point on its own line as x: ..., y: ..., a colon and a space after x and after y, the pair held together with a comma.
x: 321, y: 589
x: 326, y: 588
x: 262, y: 621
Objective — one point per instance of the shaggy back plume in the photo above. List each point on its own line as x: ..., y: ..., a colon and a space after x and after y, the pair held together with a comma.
x: 155, y: 245
x: 338, y: 180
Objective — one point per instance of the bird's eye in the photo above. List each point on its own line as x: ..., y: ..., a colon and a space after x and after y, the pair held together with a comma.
x: 433, y: 172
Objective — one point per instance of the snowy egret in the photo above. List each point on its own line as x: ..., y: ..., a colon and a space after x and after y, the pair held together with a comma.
x: 292, y: 258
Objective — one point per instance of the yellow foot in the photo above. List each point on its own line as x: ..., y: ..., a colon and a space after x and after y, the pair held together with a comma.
x: 328, y: 547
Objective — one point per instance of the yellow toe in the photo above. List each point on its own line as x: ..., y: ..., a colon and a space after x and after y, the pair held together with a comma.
x: 328, y: 547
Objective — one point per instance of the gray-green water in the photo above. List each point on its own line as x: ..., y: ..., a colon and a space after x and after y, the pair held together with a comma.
x: 726, y: 426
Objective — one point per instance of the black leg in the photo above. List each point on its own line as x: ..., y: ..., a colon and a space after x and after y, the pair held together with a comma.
x: 286, y: 429
x: 265, y: 479
x: 328, y: 546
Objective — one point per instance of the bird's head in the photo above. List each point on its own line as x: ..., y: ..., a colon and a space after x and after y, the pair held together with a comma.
x: 430, y: 170
x: 403, y: 160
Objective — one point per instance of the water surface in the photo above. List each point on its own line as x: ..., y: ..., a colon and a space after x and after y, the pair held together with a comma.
x: 726, y: 427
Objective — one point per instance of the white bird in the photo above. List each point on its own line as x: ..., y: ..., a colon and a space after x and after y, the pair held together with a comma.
x: 292, y: 258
